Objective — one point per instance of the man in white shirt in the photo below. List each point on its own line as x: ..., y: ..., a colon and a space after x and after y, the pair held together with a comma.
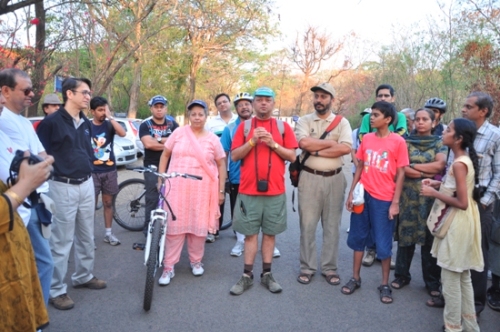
x: 17, y: 89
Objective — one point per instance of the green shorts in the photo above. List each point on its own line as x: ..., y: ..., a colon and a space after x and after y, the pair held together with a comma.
x: 251, y: 213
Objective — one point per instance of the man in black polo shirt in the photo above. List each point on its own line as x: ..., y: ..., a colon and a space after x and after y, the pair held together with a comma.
x: 154, y: 133
x: 66, y: 135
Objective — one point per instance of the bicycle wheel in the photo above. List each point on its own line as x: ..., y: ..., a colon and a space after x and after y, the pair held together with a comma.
x: 129, y: 205
x: 152, y: 265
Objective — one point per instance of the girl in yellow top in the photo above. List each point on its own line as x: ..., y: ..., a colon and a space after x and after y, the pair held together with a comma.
x: 460, y: 250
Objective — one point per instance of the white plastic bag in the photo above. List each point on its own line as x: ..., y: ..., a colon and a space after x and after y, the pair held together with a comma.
x: 358, y: 196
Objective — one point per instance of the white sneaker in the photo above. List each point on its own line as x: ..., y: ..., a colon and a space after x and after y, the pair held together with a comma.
x: 197, y: 269
x: 210, y: 238
x: 276, y: 253
x: 165, y: 277
x: 238, y: 249
x: 111, y: 239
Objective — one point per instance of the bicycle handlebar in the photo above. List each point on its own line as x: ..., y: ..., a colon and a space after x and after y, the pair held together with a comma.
x: 164, y: 175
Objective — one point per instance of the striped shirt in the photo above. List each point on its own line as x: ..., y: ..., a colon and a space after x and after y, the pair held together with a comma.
x: 487, y: 145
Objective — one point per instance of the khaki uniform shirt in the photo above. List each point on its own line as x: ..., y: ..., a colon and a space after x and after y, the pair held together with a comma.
x: 312, y: 126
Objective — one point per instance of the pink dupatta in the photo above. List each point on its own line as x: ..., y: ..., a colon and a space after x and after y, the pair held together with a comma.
x: 213, y: 204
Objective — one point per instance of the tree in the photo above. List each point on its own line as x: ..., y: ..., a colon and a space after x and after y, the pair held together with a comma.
x: 309, y: 52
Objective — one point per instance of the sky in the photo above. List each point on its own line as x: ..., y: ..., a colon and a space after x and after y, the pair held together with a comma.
x: 374, y: 20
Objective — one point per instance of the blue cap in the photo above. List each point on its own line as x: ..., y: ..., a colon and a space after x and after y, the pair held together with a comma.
x: 197, y: 102
x: 264, y: 91
x: 158, y: 99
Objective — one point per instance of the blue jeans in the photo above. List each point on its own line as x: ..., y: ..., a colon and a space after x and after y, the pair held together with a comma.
x: 43, y: 256
x: 373, y: 220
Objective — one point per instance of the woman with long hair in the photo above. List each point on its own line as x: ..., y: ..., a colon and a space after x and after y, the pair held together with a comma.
x: 459, y: 251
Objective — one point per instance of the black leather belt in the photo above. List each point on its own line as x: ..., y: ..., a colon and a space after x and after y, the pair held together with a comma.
x: 329, y: 173
x: 64, y: 179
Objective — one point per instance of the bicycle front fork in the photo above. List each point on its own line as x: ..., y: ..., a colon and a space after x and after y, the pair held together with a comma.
x: 158, y: 219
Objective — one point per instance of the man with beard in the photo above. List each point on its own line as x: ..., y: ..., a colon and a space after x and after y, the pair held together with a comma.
x: 321, y: 185
x: 104, y: 173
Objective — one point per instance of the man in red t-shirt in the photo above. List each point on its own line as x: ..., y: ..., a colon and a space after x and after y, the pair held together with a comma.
x: 261, y: 201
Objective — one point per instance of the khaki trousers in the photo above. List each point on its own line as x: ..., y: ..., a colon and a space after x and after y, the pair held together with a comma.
x: 320, y: 198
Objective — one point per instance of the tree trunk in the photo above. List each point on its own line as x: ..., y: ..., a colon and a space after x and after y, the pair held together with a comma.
x: 135, y: 89
x: 38, y: 76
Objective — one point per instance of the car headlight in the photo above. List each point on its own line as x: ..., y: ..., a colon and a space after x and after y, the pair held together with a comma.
x: 117, y: 148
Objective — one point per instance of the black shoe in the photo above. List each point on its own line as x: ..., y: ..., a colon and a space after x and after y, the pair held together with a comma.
x: 493, y: 298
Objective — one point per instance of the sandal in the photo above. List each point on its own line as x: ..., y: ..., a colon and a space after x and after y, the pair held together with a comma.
x: 400, y: 282
x: 351, y: 286
x: 304, y: 278
x: 332, y: 279
x: 435, y: 302
x: 385, y: 292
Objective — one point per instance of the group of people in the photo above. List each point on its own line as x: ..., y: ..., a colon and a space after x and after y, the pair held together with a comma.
x: 405, y: 162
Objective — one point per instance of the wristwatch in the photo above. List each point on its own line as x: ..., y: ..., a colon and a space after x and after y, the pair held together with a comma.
x: 111, y: 118
x: 276, y: 146
x: 158, y: 139
x: 412, y: 165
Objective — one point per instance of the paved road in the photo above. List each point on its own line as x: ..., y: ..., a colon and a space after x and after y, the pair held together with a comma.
x: 203, y: 303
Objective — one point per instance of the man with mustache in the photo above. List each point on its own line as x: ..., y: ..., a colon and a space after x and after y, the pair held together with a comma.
x: 321, y: 185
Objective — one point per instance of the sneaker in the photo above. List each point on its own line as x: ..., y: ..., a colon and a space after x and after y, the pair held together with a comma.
x: 197, y: 269
x: 493, y: 298
x: 238, y: 249
x: 93, y: 283
x: 62, y: 302
x: 111, y: 239
x: 268, y: 281
x: 165, y: 277
x: 242, y: 285
x: 369, y: 257
x: 276, y: 253
x: 210, y: 238
x: 393, y: 264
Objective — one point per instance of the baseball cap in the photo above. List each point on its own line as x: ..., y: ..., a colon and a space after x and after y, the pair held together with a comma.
x: 197, y: 102
x: 264, y: 91
x: 327, y: 87
x: 158, y: 99
x: 51, y: 99
x: 366, y: 111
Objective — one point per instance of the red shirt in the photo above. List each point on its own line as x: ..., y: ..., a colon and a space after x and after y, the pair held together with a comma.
x: 249, y: 178
x: 381, y: 157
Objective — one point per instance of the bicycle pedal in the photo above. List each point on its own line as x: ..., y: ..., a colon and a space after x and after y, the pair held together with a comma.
x: 139, y: 246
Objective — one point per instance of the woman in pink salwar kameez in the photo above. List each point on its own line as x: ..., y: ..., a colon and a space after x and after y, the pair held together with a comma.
x: 192, y: 149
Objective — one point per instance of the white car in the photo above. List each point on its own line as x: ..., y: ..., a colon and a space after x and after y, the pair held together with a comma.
x: 131, y: 127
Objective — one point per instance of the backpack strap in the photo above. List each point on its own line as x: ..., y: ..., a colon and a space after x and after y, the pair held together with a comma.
x: 281, y: 127
x: 247, y: 127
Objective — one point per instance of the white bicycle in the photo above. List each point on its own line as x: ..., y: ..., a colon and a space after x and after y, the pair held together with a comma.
x: 154, y: 248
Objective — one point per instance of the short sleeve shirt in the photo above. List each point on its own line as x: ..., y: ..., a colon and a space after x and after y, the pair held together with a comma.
x: 217, y: 124
x: 102, y: 145
x: 255, y: 165
x: 312, y: 126
x: 151, y: 128
x: 226, y: 141
x: 380, y: 159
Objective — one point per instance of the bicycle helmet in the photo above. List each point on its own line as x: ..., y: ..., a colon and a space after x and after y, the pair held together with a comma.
x: 436, y: 103
x: 242, y: 96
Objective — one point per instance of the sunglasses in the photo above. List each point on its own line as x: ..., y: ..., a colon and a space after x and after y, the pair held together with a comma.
x: 26, y: 91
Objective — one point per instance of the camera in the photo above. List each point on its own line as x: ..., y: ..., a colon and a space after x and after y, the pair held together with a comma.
x: 15, y: 165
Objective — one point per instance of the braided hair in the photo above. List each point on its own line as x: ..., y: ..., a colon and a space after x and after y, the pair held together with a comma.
x: 467, y: 130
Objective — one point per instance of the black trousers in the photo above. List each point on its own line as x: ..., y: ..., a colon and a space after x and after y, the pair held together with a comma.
x: 233, y: 194
x: 431, y: 272
x: 151, y: 196
x: 480, y: 279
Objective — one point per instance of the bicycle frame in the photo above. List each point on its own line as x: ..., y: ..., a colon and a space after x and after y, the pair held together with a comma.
x: 158, y: 215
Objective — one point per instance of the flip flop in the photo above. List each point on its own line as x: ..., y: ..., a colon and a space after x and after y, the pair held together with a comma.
x: 304, y: 278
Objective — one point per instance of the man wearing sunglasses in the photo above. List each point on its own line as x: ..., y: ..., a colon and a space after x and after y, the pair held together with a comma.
x: 16, y: 88
x: 66, y: 135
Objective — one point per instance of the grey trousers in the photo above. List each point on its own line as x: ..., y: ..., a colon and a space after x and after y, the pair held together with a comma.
x: 73, y: 222
x: 320, y: 198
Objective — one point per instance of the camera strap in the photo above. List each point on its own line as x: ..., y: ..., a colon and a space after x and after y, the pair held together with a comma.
x: 270, y: 153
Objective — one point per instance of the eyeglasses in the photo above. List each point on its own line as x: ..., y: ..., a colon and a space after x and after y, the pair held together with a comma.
x: 26, y: 91
x: 84, y: 92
